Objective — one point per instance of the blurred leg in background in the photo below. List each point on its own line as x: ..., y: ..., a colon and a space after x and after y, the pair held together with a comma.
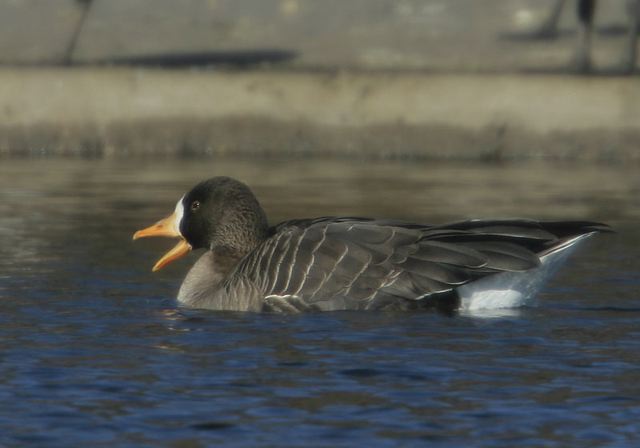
x: 630, y: 54
x: 582, y: 57
x: 585, y: 13
x: 84, y: 7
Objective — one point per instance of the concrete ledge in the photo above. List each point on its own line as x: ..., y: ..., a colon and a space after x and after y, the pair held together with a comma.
x: 111, y: 112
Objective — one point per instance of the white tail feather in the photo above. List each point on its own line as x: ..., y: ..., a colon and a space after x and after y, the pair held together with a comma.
x: 515, y: 289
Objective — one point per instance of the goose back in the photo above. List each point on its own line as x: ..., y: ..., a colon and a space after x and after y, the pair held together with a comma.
x: 360, y: 264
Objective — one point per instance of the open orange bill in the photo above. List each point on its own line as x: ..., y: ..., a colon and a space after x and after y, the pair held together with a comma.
x: 166, y: 227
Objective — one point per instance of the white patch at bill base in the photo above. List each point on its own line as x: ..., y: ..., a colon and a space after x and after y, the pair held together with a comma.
x: 178, y: 215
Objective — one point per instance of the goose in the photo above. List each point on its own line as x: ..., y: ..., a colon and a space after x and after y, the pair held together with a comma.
x: 352, y: 263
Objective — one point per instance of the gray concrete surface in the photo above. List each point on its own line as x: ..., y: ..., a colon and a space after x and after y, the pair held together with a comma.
x: 439, y: 79
x: 440, y: 35
x: 119, y: 111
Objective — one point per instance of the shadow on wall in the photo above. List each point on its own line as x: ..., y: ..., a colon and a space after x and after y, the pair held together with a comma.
x: 549, y: 29
x: 237, y: 58
x: 419, y: 34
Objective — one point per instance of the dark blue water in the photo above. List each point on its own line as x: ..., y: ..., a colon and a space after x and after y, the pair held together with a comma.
x: 94, y: 351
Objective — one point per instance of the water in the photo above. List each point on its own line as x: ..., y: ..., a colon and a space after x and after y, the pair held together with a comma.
x: 94, y: 350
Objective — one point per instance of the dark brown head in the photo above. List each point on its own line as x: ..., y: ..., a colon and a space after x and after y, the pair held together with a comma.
x: 219, y: 214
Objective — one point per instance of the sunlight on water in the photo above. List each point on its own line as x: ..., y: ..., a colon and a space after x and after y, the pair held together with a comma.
x: 96, y: 351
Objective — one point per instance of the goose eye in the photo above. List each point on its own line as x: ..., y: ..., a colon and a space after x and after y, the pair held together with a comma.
x: 195, y: 205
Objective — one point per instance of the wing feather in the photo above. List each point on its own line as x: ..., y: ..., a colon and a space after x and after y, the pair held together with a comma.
x: 349, y: 263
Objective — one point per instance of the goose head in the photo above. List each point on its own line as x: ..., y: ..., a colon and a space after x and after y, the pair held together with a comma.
x: 220, y: 214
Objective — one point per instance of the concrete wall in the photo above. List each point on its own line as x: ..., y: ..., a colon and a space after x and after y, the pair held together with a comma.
x: 111, y: 112
x: 440, y: 79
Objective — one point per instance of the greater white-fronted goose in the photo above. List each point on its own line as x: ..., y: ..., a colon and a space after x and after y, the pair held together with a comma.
x: 342, y: 263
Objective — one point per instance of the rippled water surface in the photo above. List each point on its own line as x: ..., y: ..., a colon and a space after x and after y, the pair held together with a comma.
x: 94, y: 351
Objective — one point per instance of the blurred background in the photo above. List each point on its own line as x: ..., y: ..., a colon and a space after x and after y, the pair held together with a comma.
x: 429, y: 79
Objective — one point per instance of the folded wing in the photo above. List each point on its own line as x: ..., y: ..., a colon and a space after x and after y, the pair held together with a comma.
x: 351, y: 263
